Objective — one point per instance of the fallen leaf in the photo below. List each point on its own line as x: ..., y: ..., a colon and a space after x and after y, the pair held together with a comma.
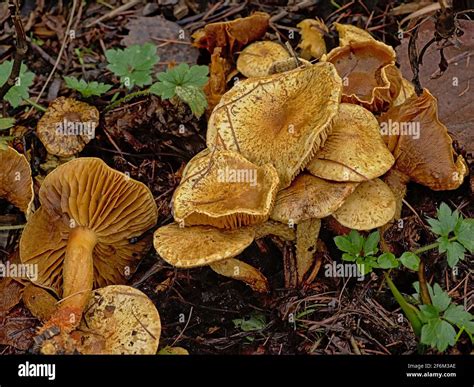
x: 307, y: 233
x: 17, y: 329
x: 39, y: 301
x: 10, y: 291
x: 173, y: 42
x: 233, y: 268
x: 453, y: 89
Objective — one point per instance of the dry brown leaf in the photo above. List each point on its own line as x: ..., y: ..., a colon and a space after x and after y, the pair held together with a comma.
x: 17, y: 329
x: 10, y: 291
x: 233, y: 268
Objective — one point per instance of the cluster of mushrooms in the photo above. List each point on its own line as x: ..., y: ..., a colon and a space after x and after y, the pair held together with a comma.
x: 293, y: 143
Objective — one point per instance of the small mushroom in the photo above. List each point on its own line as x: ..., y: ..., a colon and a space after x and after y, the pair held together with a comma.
x: 355, y: 150
x: 370, y: 77
x: 224, y: 190
x: 292, y: 109
x: 371, y: 205
x: 187, y: 247
x: 16, y: 183
x: 421, y: 145
x: 81, y: 236
x: 256, y: 59
x: 67, y: 126
x: 312, y: 42
x: 351, y: 34
x: 310, y: 197
x: 236, y: 269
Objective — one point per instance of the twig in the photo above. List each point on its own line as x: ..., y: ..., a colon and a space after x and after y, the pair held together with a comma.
x: 21, y: 48
x: 115, y: 12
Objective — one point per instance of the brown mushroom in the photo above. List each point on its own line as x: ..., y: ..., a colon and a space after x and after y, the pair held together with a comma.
x: 16, y: 183
x: 355, y: 150
x: 312, y: 42
x: 293, y: 109
x: 307, y: 233
x: 239, y: 270
x: 351, y: 34
x: 84, y: 233
x: 310, y: 197
x: 256, y: 59
x: 67, y: 126
x: 224, y: 190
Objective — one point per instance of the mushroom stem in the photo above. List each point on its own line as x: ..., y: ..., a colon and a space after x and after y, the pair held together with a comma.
x: 78, y: 278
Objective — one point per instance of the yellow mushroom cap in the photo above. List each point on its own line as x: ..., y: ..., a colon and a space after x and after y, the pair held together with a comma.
x: 421, y: 145
x: 351, y: 34
x: 312, y: 42
x: 67, y: 126
x: 355, y: 150
x: 310, y: 197
x: 125, y: 318
x: 200, y: 245
x: 281, y: 119
x: 224, y: 190
x: 86, y: 193
x: 256, y: 59
x: 371, y: 205
x: 369, y: 74
x: 16, y: 183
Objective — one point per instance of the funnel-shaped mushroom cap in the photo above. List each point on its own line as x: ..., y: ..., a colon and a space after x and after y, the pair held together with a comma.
x: 271, y: 227
x: 280, y: 66
x: 16, y: 183
x: 256, y: 59
x: 125, y: 318
x: 281, y: 119
x: 312, y: 42
x: 200, y: 245
x: 421, y: 144
x: 367, y: 70
x: 351, y: 34
x: 225, y: 190
x: 310, y: 197
x: 86, y: 194
x: 406, y: 91
x: 371, y: 205
x: 355, y: 150
x: 67, y: 126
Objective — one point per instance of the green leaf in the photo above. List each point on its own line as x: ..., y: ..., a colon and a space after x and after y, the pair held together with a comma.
x: 456, y: 314
x: 357, y: 241
x: 365, y: 266
x: 428, y: 312
x: 134, y: 64
x: 447, y: 220
x: 440, y: 298
x: 255, y: 322
x: 20, y: 91
x: 465, y: 233
x: 387, y: 261
x: 410, y: 261
x: 344, y: 244
x: 348, y: 257
x: 435, y: 226
x: 194, y: 97
x: 455, y: 252
x: 438, y: 334
x: 87, y: 89
x: 371, y: 243
x: 6, y: 123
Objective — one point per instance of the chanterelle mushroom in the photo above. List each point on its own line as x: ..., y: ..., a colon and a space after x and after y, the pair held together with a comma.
x: 281, y: 119
x: 224, y: 190
x: 256, y: 59
x: 355, y: 150
x: 16, y: 184
x: 200, y: 245
x: 67, y: 126
x: 82, y: 234
x: 371, y: 205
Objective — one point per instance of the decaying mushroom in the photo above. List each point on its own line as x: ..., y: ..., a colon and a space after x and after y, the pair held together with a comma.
x: 256, y: 59
x: 16, y: 183
x: 293, y: 109
x: 67, y: 126
x: 312, y: 42
x: 310, y: 197
x: 224, y: 190
x: 371, y: 205
x: 355, y: 150
x: 369, y: 74
x: 81, y: 237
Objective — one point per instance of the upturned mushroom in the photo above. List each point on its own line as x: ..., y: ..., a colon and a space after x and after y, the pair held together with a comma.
x: 224, y: 190
x: 67, y: 126
x: 294, y: 109
x: 85, y: 233
x: 256, y: 59
x: 16, y: 183
x: 355, y: 150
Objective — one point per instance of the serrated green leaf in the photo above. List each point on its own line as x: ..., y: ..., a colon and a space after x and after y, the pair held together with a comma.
x: 87, y: 89
x: 134, y: 64
x: 440, y: 298
x: 447, y: 219
x: 465, y: 233
x: 197, y: 76
x: 371, y: 243
x: 410, y: 261
x: 428, y: 312
x: 438, y: 334
x: 387, y: 261
x: 455, y: 252
x: 20, y: 91
x: 194, y: 97
x: 456, y: 314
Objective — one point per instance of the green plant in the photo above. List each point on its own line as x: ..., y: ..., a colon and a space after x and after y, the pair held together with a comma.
x: 20, y: 91
x: 134, y: 64
x: 256, y: 322
x: 186, y: 83
x: 87, y: 89
x: 5, y: 123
